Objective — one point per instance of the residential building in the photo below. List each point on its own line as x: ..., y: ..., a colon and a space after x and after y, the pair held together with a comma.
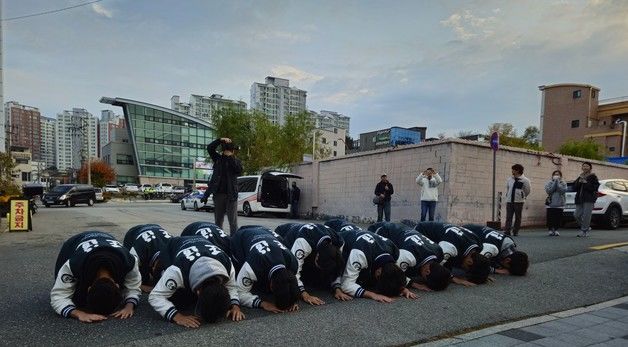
x: 203, y: 107
x: 163, y: 144
x: 572, y: 111
x: 22, y: 157
x: 277, y: 99
x: 24, y: 127
x: 332, y: 141
x: 391, y: 137
x: 107, y: 115
x: 330, y: 119
x: 108, y: 122
x: 76, y: 138
x: 48, y: 149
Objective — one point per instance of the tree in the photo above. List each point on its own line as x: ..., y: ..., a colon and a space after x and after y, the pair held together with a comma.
x: 102, y: 173
x: 294, y: 139
x: 532, y: 135
x: 7, y: 186
x: 584, y: 149
x: 349, y: 142
x: 464, y: 133
x: 508, y: 136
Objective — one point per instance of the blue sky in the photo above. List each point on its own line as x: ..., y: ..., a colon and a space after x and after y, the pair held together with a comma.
x: 447, y: 65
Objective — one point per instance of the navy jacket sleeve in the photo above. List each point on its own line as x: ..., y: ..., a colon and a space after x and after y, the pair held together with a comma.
x: 211, y: 149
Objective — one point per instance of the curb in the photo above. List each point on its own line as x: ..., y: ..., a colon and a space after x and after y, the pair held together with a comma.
x: 522, y: 323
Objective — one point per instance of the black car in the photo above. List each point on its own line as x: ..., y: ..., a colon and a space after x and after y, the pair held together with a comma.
x: 70, y: 195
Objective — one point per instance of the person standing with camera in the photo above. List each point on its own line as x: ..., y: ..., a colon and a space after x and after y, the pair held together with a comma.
x: 223, y: 182
x: 517, y: 190
x: 384, y: 190
x: 429, y: 180
x: 555, y: 202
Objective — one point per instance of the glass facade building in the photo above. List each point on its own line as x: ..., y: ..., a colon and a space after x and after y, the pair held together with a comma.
x: 165, y: 143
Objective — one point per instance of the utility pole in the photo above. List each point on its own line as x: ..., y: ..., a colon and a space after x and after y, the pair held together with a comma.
x: 84, y: 136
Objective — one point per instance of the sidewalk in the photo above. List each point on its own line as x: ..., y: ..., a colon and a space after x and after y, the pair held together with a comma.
x: 604, y: 324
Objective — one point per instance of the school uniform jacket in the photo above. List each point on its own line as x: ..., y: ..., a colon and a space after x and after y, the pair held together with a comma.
x: 74, y: 255
x: 363, y: 250
x: 260, y: 253
x: 495, y: 245
x: 455, y: 241
x: 184, y: 252
x: 144, y: 242
x: 211, y: 232
x: 303, y: 240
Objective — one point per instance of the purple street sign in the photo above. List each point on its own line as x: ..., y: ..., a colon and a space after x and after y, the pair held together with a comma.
x: 495, y: 141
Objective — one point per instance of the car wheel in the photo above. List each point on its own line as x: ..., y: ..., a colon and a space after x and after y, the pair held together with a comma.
x: 195, y: 206
x: 246, y: 209
x: 182, y: 205
x: 90, y: 202
x: 613, y: 217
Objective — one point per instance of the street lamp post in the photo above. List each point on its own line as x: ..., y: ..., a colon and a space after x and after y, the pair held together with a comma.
x: 623, y: 135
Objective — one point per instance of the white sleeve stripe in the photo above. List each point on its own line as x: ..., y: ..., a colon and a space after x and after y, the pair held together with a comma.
x: 234, y: 302
x: 67, y: 310
x: 359, y: 293
x: 171, y: 313
x: 257, y: 303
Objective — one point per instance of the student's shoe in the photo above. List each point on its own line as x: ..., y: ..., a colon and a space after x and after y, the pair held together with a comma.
x: 583, y: 234
x: 556, y: 233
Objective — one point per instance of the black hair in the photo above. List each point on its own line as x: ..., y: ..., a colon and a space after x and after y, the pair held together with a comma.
x: 429, y: 168
x: 383, y: 176
x: 285, y: 288
x: 213, y: 299
x: 518, y: 263
x: 330, y: 261
x: 559, y: 172
x: 480, y: 269
x: 103, y: 297
x: 588, y: 163
x: 409, y: 223
x: 518, y: 168
x: 439, y: 276
x: 391, y: 281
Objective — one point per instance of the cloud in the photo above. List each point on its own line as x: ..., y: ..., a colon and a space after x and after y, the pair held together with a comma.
x: 284, y: 37
x: 467, y: 26
x: 294, y: 74
x: 101, y: 10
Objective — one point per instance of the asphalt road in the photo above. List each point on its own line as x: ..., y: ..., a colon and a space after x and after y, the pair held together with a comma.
x: 565, y: 273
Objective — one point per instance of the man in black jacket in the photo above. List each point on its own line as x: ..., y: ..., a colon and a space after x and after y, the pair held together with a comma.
x: 384, y: 190
x: 223, y: 183
x: 586, y: 186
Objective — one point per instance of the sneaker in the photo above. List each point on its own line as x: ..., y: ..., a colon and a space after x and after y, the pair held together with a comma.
x: 556, y: 233
x: 583, y: 234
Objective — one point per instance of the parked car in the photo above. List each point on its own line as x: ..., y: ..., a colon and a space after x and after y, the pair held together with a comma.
x: 193, y: 201
x: 99, y: 196
x: 176, y: 198
x: 131, y: 188
x: 269, y: 192
x: 611, y: 206
x: 70, y: 195
x: 111, y: 188
x: 163, y: 188
x: 145, y: 186
x: 178, y: 190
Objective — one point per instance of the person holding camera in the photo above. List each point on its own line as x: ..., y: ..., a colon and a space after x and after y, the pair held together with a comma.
x: 223, y: 182
x: 555, y: 201
x: 383, y: 191
x: 429, y: 180
x: 517, y: 190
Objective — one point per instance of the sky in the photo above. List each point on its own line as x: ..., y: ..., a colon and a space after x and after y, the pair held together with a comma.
x: 449, y: 65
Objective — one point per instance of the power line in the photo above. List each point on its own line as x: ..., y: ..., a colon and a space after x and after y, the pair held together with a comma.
x: 50, y: 12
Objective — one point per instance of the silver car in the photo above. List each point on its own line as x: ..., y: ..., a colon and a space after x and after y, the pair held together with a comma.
x: 611, y: 206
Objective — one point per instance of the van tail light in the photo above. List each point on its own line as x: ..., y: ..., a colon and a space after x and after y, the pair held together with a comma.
x: 600, y: 194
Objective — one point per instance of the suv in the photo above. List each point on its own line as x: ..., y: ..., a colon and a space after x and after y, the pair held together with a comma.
x: 70, y: 195
x: 268, y: 192
x: 611, y: 206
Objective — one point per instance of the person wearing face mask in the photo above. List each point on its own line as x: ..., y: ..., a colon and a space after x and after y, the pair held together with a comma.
x: 585, y: 186
x: 555, y: 201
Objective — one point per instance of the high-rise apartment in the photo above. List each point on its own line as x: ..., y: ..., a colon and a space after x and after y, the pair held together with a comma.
x: 330, y: 119
x: 203, y: 107
x: 277, y: 99
x: 48, y: 149
x: 24, y: 127
x: 76, y: 138
x: 108, y: 122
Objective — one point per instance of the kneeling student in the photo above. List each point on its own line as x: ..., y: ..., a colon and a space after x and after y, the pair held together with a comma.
x: 211, y: 232
x: 318, y: 250
x: 265, y: 262
x: 502, y: 251
x: 144, y: 241
x: 94, y: 276
x: 201, y: 272
x: 418, y: 255
x: 461, y: 249
x: 370, y: 261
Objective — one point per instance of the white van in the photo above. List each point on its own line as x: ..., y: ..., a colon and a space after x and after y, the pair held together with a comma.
x: 268, y: 192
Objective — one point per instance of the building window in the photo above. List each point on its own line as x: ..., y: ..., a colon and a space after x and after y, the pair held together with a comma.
x: 577, y: 94
x: 26, y: 176
x: 324, y: 140
x: 335, y: 154
x: 335, y: 143
x: 124, y: 159
x: 575, y: 123
x: 611, y: 149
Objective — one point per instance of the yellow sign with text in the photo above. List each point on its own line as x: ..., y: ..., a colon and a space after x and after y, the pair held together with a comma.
x: 19, y: 215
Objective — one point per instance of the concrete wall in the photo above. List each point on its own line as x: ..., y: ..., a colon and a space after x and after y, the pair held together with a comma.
x: 344, y: 186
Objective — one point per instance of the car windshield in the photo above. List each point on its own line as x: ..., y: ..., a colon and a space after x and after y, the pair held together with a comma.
x: 60, y: 189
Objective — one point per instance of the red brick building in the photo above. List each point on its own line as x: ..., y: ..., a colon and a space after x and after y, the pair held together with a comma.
x: 24, y: 127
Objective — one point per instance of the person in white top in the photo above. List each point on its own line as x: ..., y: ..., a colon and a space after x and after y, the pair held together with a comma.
x: 429, y: 180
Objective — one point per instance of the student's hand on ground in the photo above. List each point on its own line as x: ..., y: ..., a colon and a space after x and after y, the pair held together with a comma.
x: 293, y: 308
x: 462, y: 281
x: 270, y: 307
x: 87, y: 317
x: 235, y: 313
x: 342, y: 296
x: 406, y: 293
x: 490, y: 279
x: 421, y: 286
x: 187, y: 321
x: 311, y: 299
x: 378, y: 297
x: 126, y: 312
x: 502, y: 271
x: 145, y: 288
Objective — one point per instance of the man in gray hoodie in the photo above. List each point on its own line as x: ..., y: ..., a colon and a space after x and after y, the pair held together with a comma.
x: 517, y: 190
